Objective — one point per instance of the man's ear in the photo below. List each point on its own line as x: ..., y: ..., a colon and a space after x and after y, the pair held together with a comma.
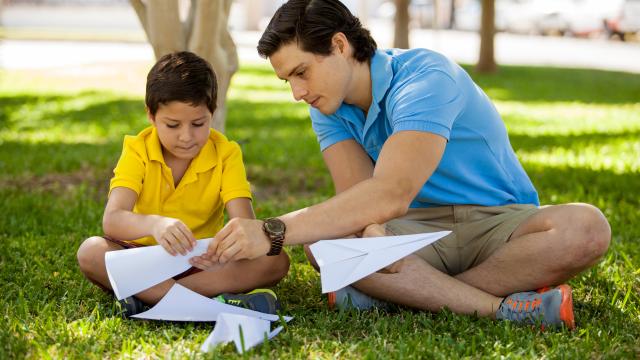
x: 150, y: 116
x: 340, y: 43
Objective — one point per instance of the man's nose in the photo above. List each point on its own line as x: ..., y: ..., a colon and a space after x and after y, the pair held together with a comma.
x: 298, y: 91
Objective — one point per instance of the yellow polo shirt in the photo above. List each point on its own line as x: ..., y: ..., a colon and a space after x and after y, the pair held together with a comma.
x: 215, y: 176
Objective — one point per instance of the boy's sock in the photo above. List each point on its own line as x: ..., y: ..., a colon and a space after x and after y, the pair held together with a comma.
x: 262, y: 300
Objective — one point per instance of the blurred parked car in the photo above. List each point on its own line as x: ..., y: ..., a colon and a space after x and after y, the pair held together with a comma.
x: 626, y: 21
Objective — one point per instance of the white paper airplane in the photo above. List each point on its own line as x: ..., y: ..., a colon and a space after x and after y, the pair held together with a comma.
x: 133, y: 270
x: 182, y: 304
x: 345, y: 261
x: 245, y: 332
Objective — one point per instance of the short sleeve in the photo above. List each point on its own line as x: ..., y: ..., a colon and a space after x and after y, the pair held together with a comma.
x: 129, y: 171
x: 428, y: 101
x: 234, y: 177
x: 329, y: 129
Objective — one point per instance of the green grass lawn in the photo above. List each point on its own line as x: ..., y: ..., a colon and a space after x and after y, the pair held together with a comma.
x: 577, y: 133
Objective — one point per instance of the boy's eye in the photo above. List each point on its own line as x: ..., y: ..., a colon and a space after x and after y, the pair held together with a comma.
x: 198, y: 124
x: 172, y: 126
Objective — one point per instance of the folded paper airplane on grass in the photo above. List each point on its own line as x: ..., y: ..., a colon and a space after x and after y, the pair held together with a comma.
x: 182, y: 304
x: 245, y: 332
x: 345, y: 261
x: 133, y: 270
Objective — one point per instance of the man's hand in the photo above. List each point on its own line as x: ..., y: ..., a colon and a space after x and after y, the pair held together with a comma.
x: 375, y: 230
x: 239, y: 239
x: 173, y: 235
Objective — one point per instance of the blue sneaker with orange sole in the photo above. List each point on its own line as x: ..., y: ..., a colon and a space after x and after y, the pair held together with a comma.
x: 548, y: 307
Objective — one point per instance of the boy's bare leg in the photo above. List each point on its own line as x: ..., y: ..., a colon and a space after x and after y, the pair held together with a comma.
x: 232, y: 277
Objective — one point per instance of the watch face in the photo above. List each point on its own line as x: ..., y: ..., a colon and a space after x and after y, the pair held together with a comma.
x: 274, y: 226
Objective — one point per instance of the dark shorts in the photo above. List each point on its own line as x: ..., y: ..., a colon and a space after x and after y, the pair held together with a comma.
x: 131, y: 245
x: 477, y: 231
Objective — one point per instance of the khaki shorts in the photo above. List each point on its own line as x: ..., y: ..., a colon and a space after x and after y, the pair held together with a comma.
x: 477, y: 231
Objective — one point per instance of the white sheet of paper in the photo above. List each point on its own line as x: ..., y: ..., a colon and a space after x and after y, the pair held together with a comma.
x: 345, y: 261
x: 228, y: 327
x: 182, y: 304
x: 133, y: 270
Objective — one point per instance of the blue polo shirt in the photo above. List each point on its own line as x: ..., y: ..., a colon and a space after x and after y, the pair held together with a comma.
x: 422, y: 90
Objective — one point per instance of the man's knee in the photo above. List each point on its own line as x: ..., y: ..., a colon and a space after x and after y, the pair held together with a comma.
x: 591, y: 233
x: 281, y: 267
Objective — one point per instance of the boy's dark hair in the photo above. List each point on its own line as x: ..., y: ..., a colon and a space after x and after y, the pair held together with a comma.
x: 181, y: 76
x: 312, y: 23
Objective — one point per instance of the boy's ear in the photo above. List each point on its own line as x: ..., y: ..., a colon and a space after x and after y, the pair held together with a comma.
x: 150, y: 116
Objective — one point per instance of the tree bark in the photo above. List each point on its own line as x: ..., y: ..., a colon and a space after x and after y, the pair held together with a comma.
x: 486, y: 60
x: 204, y: 32
x: 401, y: 22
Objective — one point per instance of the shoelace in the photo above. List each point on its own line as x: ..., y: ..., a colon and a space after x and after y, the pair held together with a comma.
x: 523, y: 309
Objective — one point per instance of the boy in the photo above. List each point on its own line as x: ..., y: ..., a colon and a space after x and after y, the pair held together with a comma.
x: 170, y: 186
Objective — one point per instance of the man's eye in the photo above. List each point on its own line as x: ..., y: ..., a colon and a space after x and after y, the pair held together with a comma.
x: 300, y: 74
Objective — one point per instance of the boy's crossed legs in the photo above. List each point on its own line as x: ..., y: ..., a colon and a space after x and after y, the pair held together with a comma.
x: 234, y: 277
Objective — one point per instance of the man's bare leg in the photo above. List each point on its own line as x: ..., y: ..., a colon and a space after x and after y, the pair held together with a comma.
x: 549, y: 248
x: 421, y: 286
x: 236, y: 276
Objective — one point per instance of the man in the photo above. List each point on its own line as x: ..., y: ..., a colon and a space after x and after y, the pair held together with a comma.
x: 413, y: 145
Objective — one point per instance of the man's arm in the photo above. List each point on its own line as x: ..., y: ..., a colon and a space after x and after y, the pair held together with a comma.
x: 407, y: 160
x: 348, y: 164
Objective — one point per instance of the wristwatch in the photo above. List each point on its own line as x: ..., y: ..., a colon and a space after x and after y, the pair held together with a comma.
x: 274, y: 228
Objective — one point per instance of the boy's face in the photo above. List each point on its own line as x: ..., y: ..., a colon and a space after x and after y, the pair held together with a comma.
x: 321, y: 81
x: 183, y: 129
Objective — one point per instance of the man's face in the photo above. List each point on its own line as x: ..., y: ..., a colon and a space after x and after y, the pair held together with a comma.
x: 321, y: 81
x: 183, y: 129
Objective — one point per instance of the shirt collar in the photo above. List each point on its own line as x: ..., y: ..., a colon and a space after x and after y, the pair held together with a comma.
x: 381, y: 77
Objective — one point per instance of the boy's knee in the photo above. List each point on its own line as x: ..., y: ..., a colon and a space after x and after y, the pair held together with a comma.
x: 281, y: 266
x: 310, y: 257
x: 87, y: 253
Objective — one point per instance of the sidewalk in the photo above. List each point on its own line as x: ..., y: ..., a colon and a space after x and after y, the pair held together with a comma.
x: 461, y: 46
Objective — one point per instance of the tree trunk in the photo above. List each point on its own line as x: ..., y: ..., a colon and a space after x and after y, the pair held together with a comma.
x: 452, y: 14
x: 204, y: 32
x: 401, y: 22
x: 486, y: 61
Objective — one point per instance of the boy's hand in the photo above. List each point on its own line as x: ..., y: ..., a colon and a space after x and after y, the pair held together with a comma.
x: 173, y: 235
x: 375, y: 230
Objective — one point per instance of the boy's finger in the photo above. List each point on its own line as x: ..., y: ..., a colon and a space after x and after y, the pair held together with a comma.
x: 183, y: 239
x: 189, y: 234
x: 165, y: 245
x: 175, y: 243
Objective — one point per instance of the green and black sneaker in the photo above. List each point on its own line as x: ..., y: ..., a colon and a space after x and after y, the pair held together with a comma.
x: 132, y: 306
x: 262, y: 300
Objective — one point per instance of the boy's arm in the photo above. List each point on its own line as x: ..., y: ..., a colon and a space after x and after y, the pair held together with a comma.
x: 120, y: 222
x: 241, y: 208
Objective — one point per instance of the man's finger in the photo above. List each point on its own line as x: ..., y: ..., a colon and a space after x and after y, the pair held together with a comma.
x: 230, y: 253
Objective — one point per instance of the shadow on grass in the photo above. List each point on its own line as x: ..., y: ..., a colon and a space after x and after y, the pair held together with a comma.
x: 92, y: 113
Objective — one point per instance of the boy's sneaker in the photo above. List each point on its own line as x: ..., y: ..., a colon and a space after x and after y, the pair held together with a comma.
x: 132, y: 306
x: 547, y: 307
x: 350, y: 298
x: 262, y: 300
